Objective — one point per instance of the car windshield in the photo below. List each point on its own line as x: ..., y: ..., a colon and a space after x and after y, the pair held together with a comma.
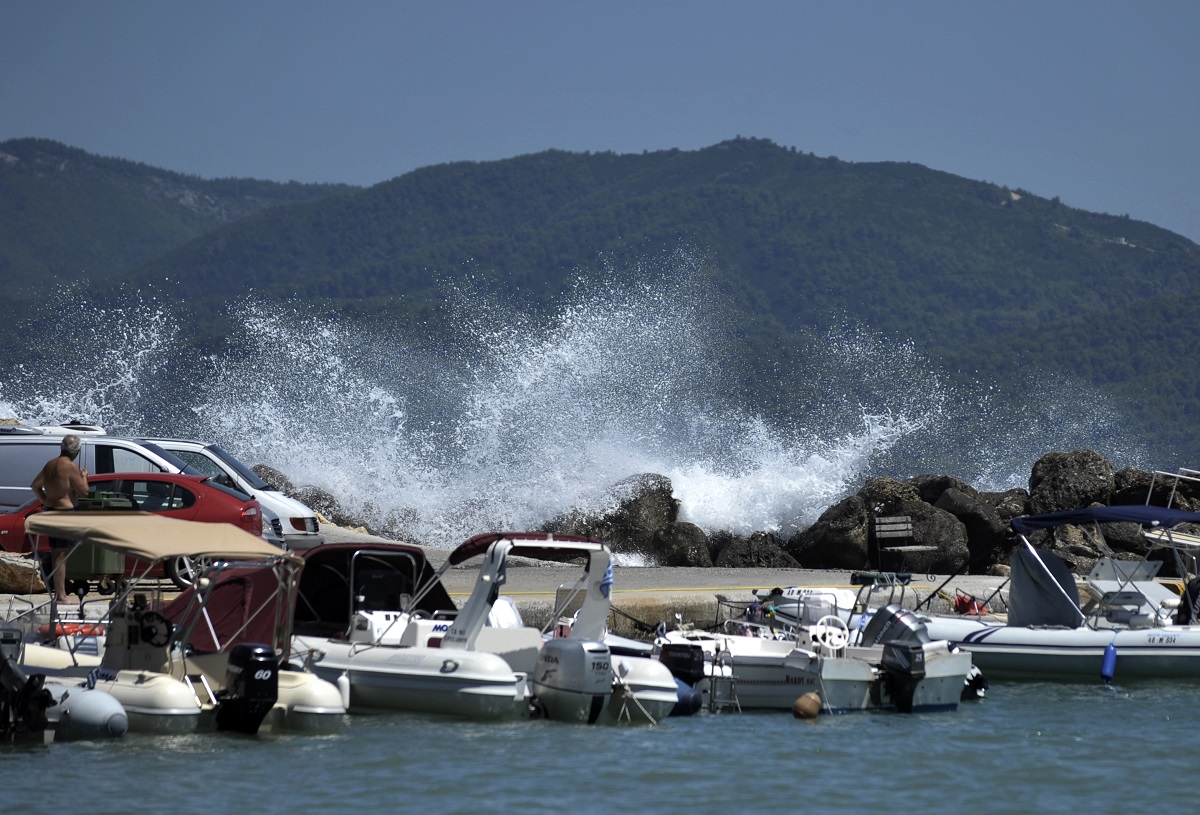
x: 245, y: 472
x: 175, y: 460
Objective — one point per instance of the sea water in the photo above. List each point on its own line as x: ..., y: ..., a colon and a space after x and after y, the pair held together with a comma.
x: 1036, y: 747
x: 503, y: 419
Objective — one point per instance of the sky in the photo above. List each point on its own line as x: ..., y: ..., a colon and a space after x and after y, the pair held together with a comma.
x: 1092, y: 101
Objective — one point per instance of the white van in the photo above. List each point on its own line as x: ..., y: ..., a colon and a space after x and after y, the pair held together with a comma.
x: 25, y: 450
x: 286, y: 521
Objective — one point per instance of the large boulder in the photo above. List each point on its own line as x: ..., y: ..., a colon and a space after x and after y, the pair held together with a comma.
x: 1073, y: 544
x: 885, y: 496
x: 931, y: 487
x: 19, y: 575
x: 682, y: 544
x: 322, y: 501
x: 988, y: 540
x: 838, y: 540
x: 642, y: 509
x: 276, y: 479
x: 760, y: 550
x: 1134, y: 486
x: 1062, y: 481
x: 934, y: 527
x: 1009, y: 504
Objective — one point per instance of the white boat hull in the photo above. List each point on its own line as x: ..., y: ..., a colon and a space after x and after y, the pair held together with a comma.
x: 1020, y: 652
x: 452, y: 682
x: 80, y: 713
x: 766, y: 674
x: 644, y: 691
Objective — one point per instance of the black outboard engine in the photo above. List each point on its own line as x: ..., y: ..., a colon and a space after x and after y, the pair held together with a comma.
x: 894, y: 623
x: 685, y: 661
x: 904, y: 665
x: 251, y: 688
x: 23, y: 699
x: 903, y: 637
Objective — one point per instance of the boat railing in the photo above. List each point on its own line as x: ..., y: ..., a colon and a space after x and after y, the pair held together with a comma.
x: 1183, y: 474
x: 750, y: 628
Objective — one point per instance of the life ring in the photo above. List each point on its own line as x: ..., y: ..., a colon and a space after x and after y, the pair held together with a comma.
x: 73, y: 630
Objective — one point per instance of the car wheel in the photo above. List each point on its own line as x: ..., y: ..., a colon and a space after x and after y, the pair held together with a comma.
x: 184, y: 570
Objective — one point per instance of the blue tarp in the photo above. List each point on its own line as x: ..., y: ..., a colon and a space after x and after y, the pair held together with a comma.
x: 1138, y: 514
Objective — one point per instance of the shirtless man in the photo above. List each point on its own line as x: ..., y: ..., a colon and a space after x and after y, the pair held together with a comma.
x: 60, y: 485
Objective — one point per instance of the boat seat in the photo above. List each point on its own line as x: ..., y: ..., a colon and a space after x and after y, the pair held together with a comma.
x: 518, y: 646
x: 1137, y: 593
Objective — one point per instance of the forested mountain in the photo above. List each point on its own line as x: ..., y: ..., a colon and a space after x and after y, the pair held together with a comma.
x: 66, y: 214
x: 980, y: 276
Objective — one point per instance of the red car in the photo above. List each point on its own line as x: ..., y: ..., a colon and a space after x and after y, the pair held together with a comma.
x: 176, y: 495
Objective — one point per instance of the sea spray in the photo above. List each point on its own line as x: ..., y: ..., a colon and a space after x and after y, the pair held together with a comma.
x: 507, y: 419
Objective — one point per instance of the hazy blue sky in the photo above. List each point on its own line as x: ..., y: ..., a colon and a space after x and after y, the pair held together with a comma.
x: 1090, y: 100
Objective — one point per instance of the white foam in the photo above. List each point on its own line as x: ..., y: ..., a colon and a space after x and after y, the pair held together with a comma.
x: 515, y: 419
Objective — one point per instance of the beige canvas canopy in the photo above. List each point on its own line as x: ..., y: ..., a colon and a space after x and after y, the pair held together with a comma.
x: 152, y: 537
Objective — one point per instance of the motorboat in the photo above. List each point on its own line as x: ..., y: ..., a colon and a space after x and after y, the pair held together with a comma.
x: 34, y: 710
x: 169, y: 663
x: 392, y: 639
x: 352, y: 627
x: 1122, y: 621
x: 885, y: 660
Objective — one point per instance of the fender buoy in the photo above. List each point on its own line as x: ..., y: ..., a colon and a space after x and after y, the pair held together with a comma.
x: 807, y: 706
x: 1108, y: 665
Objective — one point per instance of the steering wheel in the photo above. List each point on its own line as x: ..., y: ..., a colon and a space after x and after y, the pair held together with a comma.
x: 155, y: 629
x: 832, y: 632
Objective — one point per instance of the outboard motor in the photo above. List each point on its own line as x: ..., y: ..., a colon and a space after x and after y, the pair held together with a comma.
x: 894, y: 623
x: 23, y: 699
x: 904, y: 665
x: 251, y: 688
x: 572, y: 680
x: 685, y: 660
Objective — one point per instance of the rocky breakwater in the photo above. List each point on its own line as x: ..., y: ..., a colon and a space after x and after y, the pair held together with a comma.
x: 966, y: 529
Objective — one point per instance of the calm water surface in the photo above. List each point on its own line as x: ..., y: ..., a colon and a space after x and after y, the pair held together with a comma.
x: 1028, y: 748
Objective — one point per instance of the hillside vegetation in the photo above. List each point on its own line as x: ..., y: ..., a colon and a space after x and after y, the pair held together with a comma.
x: 67, y: 215
x: 986, y: 279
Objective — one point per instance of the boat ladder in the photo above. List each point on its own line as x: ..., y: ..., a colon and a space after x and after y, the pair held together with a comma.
x: 722, y: 685
x: 192, y: 679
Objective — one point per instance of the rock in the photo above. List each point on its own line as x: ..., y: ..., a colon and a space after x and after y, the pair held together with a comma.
x: 931, y: 487
x: 19, y: 575
x: 1009, y: 504
x: 838, y: 540
x: 988, y: 539
x: 682, y: 544
x: 322, y: 501
x: 643, y: 508
x: 276, y: 479
x: 883, y: 496
x: 1134, y: 486
x: 1071, y: 544
x: 936, y: 527
x: 760, y: 550
x: 1070, y: 481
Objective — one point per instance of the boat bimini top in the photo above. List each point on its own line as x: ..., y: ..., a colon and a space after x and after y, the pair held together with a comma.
x: 150, y: 537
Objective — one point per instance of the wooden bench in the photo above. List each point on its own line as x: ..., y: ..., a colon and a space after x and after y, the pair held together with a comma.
x: 900, y: 528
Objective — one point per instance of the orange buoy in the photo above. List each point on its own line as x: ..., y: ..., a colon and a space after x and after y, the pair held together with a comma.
x: 807, y: 706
